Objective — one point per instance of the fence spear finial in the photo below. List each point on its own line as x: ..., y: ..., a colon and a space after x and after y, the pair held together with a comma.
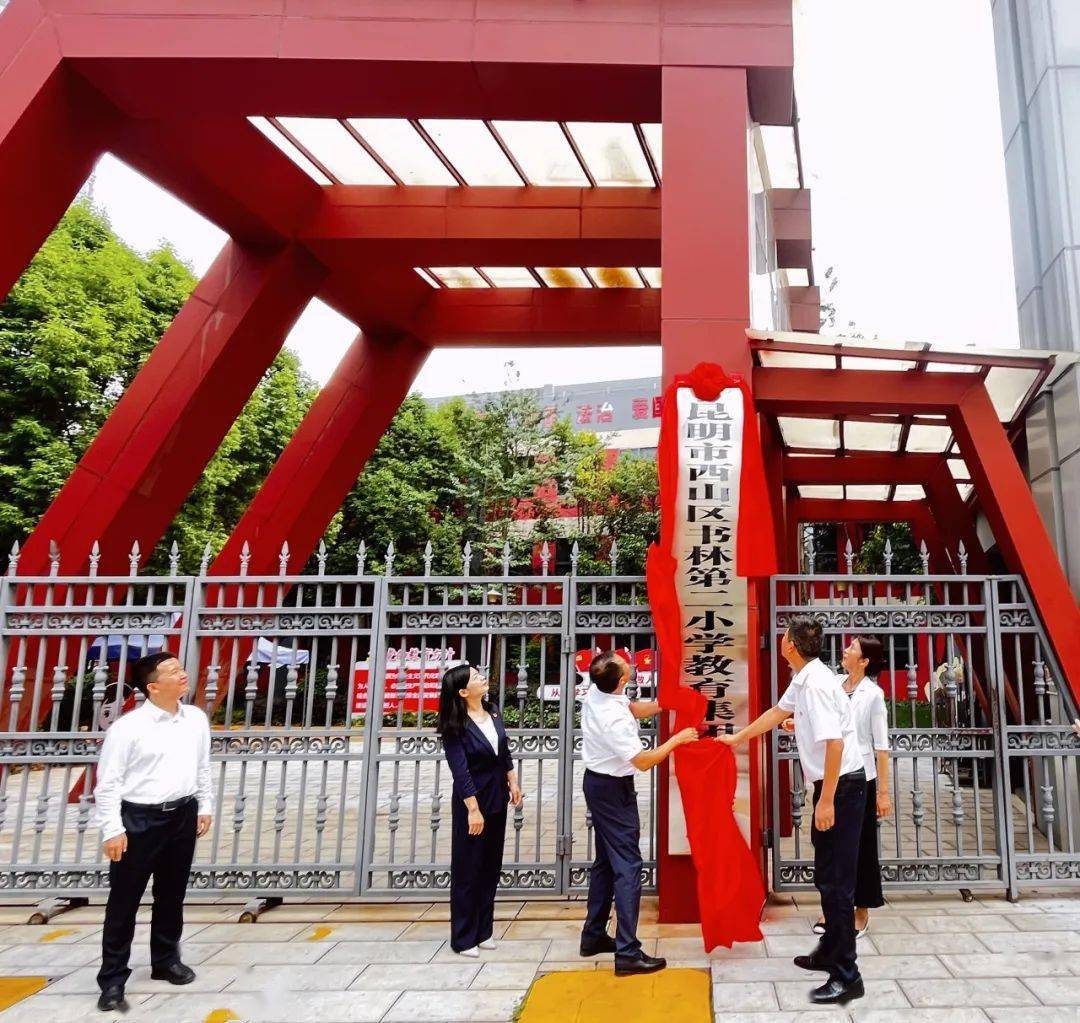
x: 245, y: 558
x: 506, y: 557
x: 95, y: 557
x: 545, y: 558
x: 13, y: 558
x: 283, y: 558
x: 54, y: 558
x: 174, y: 559
x: 204, y: 562
x: 361, y: 557
x: 429, y: 553
x: 321, y: 557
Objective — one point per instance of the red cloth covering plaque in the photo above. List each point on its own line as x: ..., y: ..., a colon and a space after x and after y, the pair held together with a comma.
x: 730, y: 888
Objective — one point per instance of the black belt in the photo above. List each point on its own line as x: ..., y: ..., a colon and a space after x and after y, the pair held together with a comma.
x: 167, y: 807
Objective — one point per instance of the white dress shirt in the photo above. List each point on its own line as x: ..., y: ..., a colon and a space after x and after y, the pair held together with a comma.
x: 152, y: 756
x: 867, y: 703
x: 609, y: 733
x: 822, y: 713
x: 487, y: 726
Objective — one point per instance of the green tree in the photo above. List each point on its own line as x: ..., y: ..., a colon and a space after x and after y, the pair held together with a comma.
x: 74, y: 331
x: 870, y: 557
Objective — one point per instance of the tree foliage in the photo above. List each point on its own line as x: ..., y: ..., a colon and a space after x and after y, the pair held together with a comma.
x: 74, y: 331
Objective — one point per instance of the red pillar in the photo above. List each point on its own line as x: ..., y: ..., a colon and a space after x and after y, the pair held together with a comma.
x: 171, y: 419
x: 704, y: 305
x: 53, y: 127
x: 326, y: 454
x: 1017, y: 526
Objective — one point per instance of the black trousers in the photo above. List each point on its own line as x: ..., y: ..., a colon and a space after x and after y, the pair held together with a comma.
x: 616, y: 869
x: 868, y: 893
x: 160, y: 844
x: 475, y: 865
x: 836, y: 855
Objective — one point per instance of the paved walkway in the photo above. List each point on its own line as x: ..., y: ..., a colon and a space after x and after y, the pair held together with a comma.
x: 927, y: 959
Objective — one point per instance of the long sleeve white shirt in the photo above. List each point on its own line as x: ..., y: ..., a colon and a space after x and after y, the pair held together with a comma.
x: 152, y: 756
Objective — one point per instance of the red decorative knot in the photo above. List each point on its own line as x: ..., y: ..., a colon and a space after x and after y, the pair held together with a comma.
x: 708, y: 380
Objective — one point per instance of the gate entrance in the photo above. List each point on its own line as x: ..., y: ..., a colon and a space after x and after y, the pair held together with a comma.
x: 322, y: 691
x: 983, y: 767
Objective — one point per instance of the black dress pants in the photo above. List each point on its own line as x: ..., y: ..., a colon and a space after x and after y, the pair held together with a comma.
x: 836, y: 855
x: 160, y: 844
x: 475, y: 866
x: 868, y: 893
x: 616, y: 869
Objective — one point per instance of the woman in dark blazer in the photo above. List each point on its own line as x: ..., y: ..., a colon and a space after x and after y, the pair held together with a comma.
x: 476, y: 748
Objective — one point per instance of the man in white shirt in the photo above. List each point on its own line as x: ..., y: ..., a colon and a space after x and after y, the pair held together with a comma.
x: 831, y: 759
x: 611, y: 752
x: 153, y: 799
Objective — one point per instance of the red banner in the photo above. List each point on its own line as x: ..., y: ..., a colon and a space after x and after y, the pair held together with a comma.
x: 423, y: 678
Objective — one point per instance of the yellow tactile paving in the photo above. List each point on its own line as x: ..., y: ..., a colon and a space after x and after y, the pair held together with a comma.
x: 57, y: 934
x: 671, y: 996
x: 319, y: 933
x: 221, y: 1016
x: 15, y: 989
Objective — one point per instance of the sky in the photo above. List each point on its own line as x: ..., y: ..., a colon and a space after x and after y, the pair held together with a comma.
x: 902, y: 152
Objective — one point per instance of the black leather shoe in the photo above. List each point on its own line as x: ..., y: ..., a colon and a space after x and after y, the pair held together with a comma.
x: 811, y: 962
x: 174, y: 973
x: 111, y: 999
x: 625, y: 966
x: 597, y: 946
x: 836, y: 992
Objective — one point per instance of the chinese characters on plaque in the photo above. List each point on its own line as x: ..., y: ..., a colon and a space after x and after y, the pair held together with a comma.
x: 712, y: 597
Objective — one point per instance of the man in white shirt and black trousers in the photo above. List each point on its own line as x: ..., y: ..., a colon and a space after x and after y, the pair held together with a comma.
x: 831, y: 760
x: 612, y: 754
x: 153, y: 800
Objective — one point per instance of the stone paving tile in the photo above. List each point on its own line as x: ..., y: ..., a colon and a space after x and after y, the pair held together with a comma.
x: 1031, y: 941
x: 822, y: 1016
x: 244, y: 933
x: 788, y: 925
x: 1047, y: 922
x: 84, y: 981
x: 984, y: 923
x: 888, y: 923
x: 305, y: 912
x: 48, y: 934
x: 884, y: 994
x: 743, y: 997
x: 1044, y: 1014
x: 987, y: 991
x: 908, y: 967
x: 797, y: 945
x: 454, y: 1006
x: 193, y: 953
x: 946, y: 942
x: 261, y: 952
x: 430, y: 929
x: 692, y: 948
x: 864, y: 1014
x: 1015, y: 964
x: 364, y: 952
x: 319, y: 977
x: 336, y: 1006
x: 408, y: 911
x: 507, y: 952
x: 49, y: 955
x: 1055, y: 990
x: 433, y: 977
x: 559, y: 911
x: 554, y: 929
x: 553, y: 966
x: 49, y: 1008
x: 736, y: 970
x: 382, y: 930
x: 498, y: 975
x: 567, y: 949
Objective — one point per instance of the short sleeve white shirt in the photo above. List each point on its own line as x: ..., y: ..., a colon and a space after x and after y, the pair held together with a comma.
x: 867, y: 704
x: 609, y: 733
x: 822, y: 713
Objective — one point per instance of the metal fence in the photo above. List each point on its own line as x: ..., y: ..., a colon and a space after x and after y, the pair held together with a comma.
x: 322, y: 693
x: 983, y: 760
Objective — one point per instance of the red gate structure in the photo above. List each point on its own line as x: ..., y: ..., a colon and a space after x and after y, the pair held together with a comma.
x: 372, y: 154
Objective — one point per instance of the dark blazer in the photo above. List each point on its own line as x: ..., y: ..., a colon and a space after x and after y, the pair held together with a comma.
x: 477, y: 769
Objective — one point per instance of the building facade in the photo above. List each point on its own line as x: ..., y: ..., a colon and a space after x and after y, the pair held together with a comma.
x: 1038, y: 57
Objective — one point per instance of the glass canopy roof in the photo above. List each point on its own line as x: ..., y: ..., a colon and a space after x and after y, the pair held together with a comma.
x: 460, y: 151
x: 1012, y: 379
x: 540, y: 276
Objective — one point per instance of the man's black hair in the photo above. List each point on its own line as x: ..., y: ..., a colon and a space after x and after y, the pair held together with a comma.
x: 144, y: 669
x: 806, y: 633
x: 606, y: 671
